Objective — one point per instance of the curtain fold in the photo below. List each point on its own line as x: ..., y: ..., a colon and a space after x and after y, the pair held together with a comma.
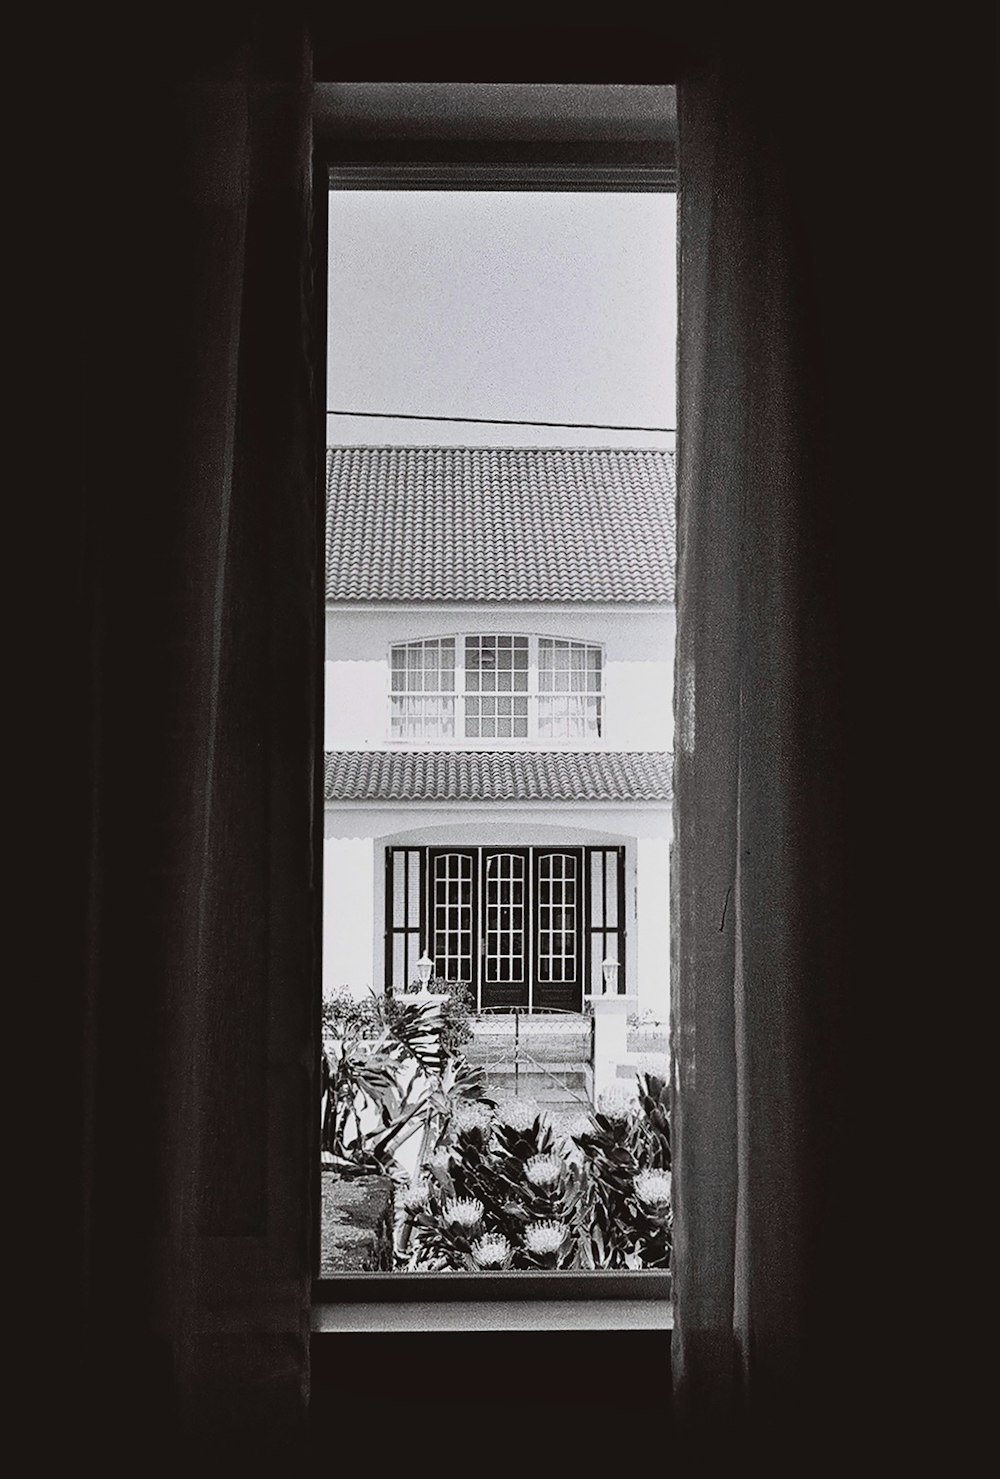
x: 759, y: 995
x: 202, y: 547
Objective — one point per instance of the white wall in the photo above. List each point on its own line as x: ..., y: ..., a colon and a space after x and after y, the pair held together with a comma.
x: 349, y: 916
x: 638, y: 643
x: 653, y: 909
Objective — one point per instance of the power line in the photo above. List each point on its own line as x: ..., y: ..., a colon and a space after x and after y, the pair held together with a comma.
x: 497, y: 421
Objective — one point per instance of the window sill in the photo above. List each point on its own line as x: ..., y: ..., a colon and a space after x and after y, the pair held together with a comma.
x: 401, y: 1303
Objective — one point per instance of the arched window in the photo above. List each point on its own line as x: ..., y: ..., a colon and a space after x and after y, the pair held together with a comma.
x: 496, y: 687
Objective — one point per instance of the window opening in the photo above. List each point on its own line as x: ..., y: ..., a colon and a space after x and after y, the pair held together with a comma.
x: 497, y: 687
x: 423, y: 689
x: 569, y: 681
x: 534, y: 927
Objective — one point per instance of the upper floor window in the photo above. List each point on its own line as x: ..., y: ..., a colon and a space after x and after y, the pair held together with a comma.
x: 496, y: 688
x: 423, y: 690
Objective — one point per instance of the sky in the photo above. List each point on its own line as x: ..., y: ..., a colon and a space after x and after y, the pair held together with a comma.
x: 521, y: 305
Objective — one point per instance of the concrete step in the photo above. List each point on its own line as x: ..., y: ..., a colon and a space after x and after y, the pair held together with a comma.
x: 566, y: 1073
x: 545, y: 1050
x: 647, y: 1040
x: 531, y: 1021
x: 531, y: 1026
x: 551, y: 1098
x: 570, y: 1088
x: 549, y: 1034
x: 656, y: 1063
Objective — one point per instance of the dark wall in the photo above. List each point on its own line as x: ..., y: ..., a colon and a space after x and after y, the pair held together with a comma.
x: 532, y: 1400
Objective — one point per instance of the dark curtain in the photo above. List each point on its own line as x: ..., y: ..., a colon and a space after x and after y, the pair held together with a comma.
x: 189, y: 213
x: 760, y: 1021
x: 836, y: 736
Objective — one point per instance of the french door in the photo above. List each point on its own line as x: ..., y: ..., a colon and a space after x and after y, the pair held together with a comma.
x: 522, y: 926
x: 517, y: 936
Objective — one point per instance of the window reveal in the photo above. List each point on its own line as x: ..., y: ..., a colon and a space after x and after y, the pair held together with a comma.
x: 496, y: 687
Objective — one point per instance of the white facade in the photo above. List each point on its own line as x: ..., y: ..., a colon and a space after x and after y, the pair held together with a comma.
x: 637, y: 692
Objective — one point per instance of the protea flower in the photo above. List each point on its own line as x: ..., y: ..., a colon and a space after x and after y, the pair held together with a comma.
x: 653, y: 1188
x: 463, y: 1212
x: 544, y: 1171
x: 471, y: 1114
x: 518, y: 1114
x: 544, y: 1237
x: 618, y: 1102
x: 492, y: 1250
x: 415, y: 1196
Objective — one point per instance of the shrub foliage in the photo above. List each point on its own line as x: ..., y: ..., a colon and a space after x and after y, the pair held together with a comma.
x: 496, y: 1194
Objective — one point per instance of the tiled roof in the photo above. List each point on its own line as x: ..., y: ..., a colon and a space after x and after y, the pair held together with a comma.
x: 499, y: 524
x: 498, y: 775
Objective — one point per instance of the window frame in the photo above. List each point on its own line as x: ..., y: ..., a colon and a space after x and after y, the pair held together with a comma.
x: 367, y: 149
x: 461, y: 693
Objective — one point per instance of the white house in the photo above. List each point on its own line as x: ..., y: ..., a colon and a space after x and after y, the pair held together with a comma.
x: 498, y: 726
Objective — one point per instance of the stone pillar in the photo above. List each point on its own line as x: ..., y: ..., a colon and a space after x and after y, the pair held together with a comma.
x: 610, y: 1040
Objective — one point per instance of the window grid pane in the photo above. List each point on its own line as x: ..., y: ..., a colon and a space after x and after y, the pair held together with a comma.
x: 427, y: 669
x: 496, y: 664
x: 504, y: 922
x: 496, y: 717
x: 453, y: 916
x: 569, y: 685
x: 557, y: 917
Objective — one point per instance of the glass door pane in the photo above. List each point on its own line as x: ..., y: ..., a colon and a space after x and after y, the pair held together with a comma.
x: 504, y: 951
x: 453, y: 930
x: 558, y: 929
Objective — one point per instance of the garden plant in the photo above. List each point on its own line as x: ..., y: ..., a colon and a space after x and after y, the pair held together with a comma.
x: 501, y: 1190
x: 496, y: 1186
x: 390, y: 1066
